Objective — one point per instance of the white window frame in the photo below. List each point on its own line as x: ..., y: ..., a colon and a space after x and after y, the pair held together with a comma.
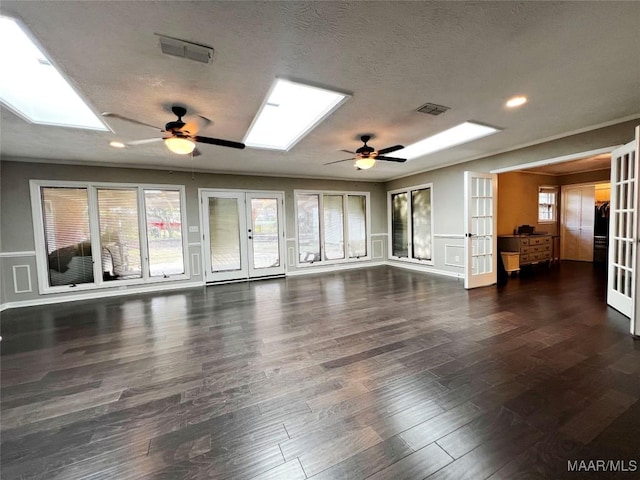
x: 94, y: 225
x: 541, y: 189
x: 345, y: 209
x: 408, y: 191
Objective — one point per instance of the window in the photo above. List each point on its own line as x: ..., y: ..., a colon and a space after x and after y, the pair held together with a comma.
x: 99, y: 235
x: 67, y: 236
x: 119, y: 234
x: 164, y: 232
x: 410, y: 224
x: 547, y: 204
x: 331, y: 226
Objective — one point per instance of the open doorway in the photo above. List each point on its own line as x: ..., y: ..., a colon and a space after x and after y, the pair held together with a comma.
x: 553, y: 212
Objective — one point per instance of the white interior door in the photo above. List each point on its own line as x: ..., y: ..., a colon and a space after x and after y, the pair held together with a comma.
x: 621, y: 287
x: 578, y: 216
x: 243, y: 234
x: 480, y: 244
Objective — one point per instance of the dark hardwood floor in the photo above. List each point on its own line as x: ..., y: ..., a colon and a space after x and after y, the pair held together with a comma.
x: 374, y: 373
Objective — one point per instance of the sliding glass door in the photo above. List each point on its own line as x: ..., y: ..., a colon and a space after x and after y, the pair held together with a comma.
x: 243, y: 234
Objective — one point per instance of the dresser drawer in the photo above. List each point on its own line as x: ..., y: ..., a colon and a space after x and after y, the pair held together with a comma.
x: 539, y: 256
x: 524, y: 249
x: 540, y: 240
x: 539, y: 248
x: 524, y: 259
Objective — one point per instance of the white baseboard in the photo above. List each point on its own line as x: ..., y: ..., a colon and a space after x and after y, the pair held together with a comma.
x: 95, y: 294
x: 333, y: 268
x: 159, y: 287
x: 423, y: 269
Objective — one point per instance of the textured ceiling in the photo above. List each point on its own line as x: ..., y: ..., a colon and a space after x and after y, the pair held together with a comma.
x: 574, y: 60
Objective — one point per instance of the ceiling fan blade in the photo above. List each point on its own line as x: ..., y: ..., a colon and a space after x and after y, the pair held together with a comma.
x: 142, y: 142
x: 218, y: 141
x: 338, y: 161
x: 130, y: 120
x: 391, y: 159
x: 348, y: 151
x: 196, y: 152
x: 192, y: 127
x: 395, y: 148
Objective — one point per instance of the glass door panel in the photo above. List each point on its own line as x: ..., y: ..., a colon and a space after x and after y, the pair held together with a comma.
x: 224, y: 235
x: 224, y: 229
x: 265, y: 234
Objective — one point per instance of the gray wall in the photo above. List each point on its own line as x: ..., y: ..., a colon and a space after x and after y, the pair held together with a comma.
x: 448, y: 194
x: 16, y: 220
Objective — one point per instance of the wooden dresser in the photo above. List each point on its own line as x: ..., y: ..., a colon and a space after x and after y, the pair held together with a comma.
x: 532, y: 248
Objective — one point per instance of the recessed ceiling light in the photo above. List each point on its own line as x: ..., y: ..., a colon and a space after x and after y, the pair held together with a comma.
x: 34, y: 88
x: 516, y: 101
x: 117, y: 144
x: 290, y: 111
x: 463, y: 133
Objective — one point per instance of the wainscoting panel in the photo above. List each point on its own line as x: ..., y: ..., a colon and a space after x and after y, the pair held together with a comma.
x: 22, y: 279
x: 195, y: 264
x: 378, y: 249
x: 454, y: 255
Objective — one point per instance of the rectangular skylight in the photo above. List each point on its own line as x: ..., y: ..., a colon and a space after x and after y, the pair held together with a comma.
x: 463, y: 133
x: 33, y: 88
x: 290, y: 111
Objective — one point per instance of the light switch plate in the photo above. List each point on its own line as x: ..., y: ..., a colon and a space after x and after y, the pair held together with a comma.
x: 193, y: 229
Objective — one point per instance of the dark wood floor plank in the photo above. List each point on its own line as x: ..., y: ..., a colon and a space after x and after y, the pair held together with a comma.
x: 366, y: 463
x: 377, y: 371
x: 419, y: 464
x: 428, y: 432
x: 287, y: 471
x: 325, y: 454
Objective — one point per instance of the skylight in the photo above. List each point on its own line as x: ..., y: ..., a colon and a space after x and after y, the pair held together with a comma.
x: 290, y: 111
x: 463, y: 133
x: 33, y: 88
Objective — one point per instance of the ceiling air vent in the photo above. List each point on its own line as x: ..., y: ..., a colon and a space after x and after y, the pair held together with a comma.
x: 184, y: 49
x: 433, y: 109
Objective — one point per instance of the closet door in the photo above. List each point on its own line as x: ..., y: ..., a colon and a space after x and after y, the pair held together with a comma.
x: 578, y: 207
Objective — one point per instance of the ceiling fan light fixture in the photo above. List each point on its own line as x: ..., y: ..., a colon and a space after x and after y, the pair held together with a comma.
x: 179, y: 145
x: 365, y: 163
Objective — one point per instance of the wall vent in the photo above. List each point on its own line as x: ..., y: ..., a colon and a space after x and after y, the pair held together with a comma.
x: 183, y: 49
x: 432, y: 109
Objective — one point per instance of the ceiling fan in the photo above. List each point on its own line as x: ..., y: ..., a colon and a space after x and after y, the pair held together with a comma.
x: 180, y: 137
x: 367, y: 156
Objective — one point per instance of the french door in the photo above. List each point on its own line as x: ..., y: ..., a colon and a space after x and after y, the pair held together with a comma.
x: 243, y: 234
x: 623, y: 231
x: 480, y: 243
